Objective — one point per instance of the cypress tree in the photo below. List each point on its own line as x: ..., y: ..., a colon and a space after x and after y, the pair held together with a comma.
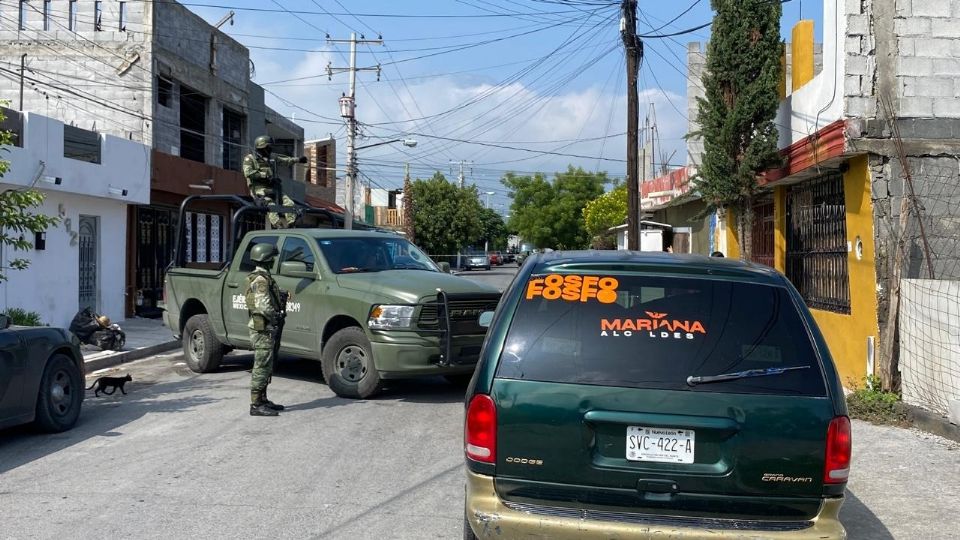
x: 741, y: 83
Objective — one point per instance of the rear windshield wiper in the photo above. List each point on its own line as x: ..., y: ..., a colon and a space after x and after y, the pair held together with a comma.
x: 695, y: 380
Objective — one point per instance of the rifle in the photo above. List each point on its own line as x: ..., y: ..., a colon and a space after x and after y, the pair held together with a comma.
x: 276, y: 183
x: 278, y: 326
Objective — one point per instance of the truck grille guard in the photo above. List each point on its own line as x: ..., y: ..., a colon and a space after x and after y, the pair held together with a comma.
x: 444, y: 330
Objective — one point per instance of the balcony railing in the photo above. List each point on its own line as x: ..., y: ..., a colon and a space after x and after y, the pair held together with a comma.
x: 388, y: 217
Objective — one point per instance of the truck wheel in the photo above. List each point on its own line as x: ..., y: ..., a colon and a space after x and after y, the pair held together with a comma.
x: 348, y: 364
x: 60, y: 395
x: 201, y: 348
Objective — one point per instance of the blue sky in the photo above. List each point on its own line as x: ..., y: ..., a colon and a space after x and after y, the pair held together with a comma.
x: 536, y: 74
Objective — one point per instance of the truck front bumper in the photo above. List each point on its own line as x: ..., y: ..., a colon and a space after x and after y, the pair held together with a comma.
x: 411, y: 355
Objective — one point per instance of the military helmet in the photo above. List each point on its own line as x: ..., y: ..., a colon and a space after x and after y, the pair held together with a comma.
x: 262, y: 142
x: 263, y: 252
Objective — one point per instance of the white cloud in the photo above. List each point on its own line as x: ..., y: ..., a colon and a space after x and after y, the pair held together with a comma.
x: 513, y: 115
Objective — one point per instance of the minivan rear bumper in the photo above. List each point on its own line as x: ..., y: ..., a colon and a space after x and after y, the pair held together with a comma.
x: 491, y: 517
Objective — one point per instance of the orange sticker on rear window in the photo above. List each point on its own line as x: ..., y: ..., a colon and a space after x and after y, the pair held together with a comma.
x: 573, y: 288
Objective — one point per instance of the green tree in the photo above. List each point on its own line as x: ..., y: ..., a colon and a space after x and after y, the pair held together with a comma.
x: 446, y: 218
x: 607, y: 210
x: 492, y: 230
x: 17, y: 222
x: 550, y: 214
x: 741, y: 81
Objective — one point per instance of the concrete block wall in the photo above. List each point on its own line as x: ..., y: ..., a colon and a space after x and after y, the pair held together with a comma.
x: 696, y: 61
x: 907, y: 49
x: 185, y: 35
x: 96, y: 80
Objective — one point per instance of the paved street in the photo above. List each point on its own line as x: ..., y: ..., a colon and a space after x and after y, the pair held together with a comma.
x: 179, y: 457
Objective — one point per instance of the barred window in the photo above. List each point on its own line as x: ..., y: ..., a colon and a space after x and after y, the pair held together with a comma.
x: 817, y: 243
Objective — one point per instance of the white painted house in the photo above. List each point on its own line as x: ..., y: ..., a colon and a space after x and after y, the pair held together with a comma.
x: 88, y: 180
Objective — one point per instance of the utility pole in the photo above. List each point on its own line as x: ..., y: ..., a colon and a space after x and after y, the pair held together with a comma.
x: 348, y: 112
x: 23, y: 64
x: 460, y: 176
x: 633, y: 49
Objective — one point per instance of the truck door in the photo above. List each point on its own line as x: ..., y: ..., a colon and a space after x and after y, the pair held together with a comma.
x: 235, y: 315
x: 301, y: 277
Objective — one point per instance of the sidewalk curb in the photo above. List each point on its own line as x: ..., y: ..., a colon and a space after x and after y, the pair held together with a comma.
x: 123, y: 357
x: 932, y: 423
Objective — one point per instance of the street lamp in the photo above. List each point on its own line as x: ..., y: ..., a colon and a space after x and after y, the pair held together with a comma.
x: 488, y: 194
x: 352, y: 174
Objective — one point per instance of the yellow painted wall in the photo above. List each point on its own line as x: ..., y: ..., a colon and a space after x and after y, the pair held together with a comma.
x: 733, y: 242
x: 846, y: 335
x: 780, y: 228
x: 802, y: 54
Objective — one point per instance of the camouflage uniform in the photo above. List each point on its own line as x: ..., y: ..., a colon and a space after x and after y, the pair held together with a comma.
x: 261, y: 180
x: 263, y: 305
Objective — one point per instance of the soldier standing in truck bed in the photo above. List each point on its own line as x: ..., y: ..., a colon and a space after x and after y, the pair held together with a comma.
x: 263, y: 184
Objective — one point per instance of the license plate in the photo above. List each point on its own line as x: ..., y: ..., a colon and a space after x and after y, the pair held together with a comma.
x: 663, y: 445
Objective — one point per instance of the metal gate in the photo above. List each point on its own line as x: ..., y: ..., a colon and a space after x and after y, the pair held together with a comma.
x: 155, y: 234
x: 89, y: 238
x: 762, y: 233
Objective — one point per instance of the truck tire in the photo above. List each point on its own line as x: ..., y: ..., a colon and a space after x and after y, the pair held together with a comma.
x: 347, y: 363
x: 201, y: 348
x: 60, y: 395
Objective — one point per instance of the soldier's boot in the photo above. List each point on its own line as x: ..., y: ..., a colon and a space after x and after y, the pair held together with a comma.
x: 261, y: 409
x: 269, y: 404
x: 258, y: 407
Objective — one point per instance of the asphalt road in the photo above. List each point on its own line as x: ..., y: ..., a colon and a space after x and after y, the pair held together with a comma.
x: 178, y: 457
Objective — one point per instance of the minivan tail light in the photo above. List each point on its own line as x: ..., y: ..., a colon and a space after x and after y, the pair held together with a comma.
x: 480, y: 429
x: 839, y: 446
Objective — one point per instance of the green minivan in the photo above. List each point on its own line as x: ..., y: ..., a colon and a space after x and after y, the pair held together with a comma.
x: 638, y: 395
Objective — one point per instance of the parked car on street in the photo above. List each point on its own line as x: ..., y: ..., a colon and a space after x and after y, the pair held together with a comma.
x: 495, y: 258
x: 475, y: 260
x: 522, y: 256
x: 634, y: 396
x: 41, y: 377
x: 509, y: 257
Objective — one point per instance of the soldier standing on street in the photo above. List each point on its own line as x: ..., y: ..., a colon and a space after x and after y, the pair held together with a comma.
x: 262, y: 181
x: 265, y: 304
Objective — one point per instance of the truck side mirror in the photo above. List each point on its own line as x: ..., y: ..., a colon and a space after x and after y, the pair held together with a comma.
x: 444, y: 267
x: 4, y: 322
x: 296, y: 269
x: 485, y: 319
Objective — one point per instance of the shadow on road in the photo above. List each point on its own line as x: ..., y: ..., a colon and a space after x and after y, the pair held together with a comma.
x: 100, y: 417
x: 861, y: 523
x: 416, y: 390
x: 422, y: 390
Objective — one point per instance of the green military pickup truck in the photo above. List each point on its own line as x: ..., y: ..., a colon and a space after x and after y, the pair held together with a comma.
x: 369, y: 306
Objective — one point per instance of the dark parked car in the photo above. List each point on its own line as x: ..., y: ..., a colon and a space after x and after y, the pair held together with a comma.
x: 41, y: 377
x: 647, y: 395
x: 509, y: 257
x: 475, y: 260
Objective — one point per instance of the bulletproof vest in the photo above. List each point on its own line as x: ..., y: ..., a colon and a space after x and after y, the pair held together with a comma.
x: 250, y: 295
x: 262, y: 165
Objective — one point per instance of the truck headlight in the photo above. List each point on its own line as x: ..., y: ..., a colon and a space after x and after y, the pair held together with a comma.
x: 387, y: 317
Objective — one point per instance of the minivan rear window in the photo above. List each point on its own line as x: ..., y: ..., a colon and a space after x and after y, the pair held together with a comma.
x: 643, y: 331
